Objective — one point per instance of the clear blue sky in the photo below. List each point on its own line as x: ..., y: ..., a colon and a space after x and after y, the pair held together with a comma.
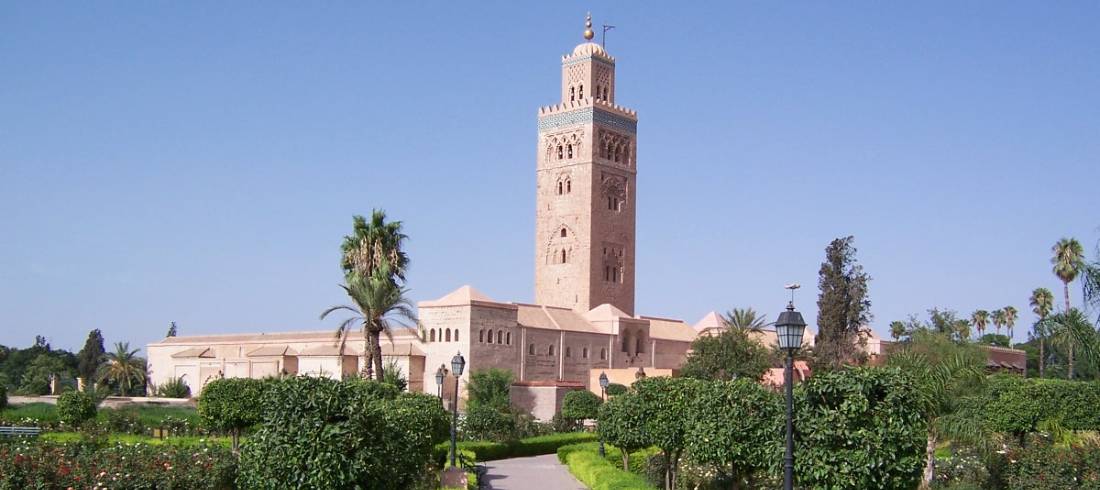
x: 200, y: 161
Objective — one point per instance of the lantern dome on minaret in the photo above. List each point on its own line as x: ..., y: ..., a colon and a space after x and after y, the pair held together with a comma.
x: 588, y: 49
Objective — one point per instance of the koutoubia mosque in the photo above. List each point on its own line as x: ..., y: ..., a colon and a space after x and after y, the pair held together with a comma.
x: 583, y: 321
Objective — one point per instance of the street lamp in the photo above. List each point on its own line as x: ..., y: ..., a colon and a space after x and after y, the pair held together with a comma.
x: 788, y: 330
x: 603, y: 397
x: 457, y: 365
x: 439, y: 375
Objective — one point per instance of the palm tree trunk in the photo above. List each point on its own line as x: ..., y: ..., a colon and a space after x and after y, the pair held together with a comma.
x: 1065, y: 291
x: 1042, y: 357
x: 368, y: 368
x: 378, y: 356
x: 929, y: 462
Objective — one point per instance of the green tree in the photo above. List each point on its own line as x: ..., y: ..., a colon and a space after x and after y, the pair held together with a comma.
x: 377, y: 302
x: 843, y: 306
x: 1072, y: 330
x: 897, y: 330
x: 735, y: 427
x: 232, y: 405
x: 1068, y: 259
x: 998, y: 318
x: 664, y: 401
x: 859, y: 428
x: 1042, y: 302
x: 980, y: 318
x: 91, y: 357
x: 36, y: 377
x: 745, y: 319
x: 1090, y: 281
x: 75, y: 408
x: 945, y: 371
x: 622, y: 423
x: 1011, y: 315
x: 491, y: 388
x: 581, y: 405
x: 395, y: 376
x: 730, y: 354
x: 123, y: 369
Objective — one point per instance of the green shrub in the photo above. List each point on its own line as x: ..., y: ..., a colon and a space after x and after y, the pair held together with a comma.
x: 1041, y: 464
x: 490, y: 388
x: 232, y: 405
x: 323, y: 433
x: 123, y: 421
x: 532, y: 446
x: 37, y: 463
x: 76, y: 407
x: 736, y: 427
x: 580, y: 405
x: 392, y: 375
x: 484, y: 422
x: 859, y: 428
x: 616, y: 389
x: 174, y: 388
x: 623, y: 423
x: 596, y: 472
x: 1018, y: 405
x: 665, y: 401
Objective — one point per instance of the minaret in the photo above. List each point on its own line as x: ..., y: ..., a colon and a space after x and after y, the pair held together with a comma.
x: 584, y: 238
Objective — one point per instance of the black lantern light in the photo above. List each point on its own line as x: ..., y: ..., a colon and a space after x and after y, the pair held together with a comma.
x: 789, y: 329
x: 439, y: 375
x: 458, y: 363
x: 603, y: 396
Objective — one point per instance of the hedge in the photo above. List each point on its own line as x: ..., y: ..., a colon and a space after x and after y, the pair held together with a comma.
x: 532, y: 446
x: 75, y: 407
x: 1019, y: 405
x: 596, y: 472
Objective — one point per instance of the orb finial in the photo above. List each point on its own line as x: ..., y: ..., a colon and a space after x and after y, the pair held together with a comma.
x: 588, y: 34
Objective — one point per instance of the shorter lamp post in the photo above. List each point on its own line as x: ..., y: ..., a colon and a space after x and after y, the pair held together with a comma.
x: 603, y: 397
x: 458, y: 363
x: 788, y: 330
x: 439, y: 375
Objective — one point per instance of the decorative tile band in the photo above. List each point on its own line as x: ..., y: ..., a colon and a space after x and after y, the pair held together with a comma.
x: 588, y: 115
x: 582, y: 59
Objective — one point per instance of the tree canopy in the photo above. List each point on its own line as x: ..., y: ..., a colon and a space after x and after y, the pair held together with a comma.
x: 731, y: 354
x: 844, y: 306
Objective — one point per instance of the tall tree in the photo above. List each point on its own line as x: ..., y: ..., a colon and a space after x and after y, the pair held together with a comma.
x: 1068, y: 259
x: 731, y: 354
x: 980, y: 318
x: 998, y: 317
x: 1010, y: 320
x: 1042, y: 302
x: 897, y: 330
x: 1072, y: 329
x: 1090, y: 283
x: 123, y: 369
x: 378, y: 301
x: 843, y: 305
x: 91, y: 357
x: 171, y: 329
x: 745, y: 319
x: 373, y: 258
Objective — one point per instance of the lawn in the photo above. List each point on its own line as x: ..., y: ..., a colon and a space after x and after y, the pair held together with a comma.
x: 150, y: 416
x: 133, y: 439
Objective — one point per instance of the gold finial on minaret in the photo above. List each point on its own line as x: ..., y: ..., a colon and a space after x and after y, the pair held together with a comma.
x: 588, y: 34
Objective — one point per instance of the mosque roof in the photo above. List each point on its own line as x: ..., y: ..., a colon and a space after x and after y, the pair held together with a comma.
x: 464, y: 295
x: 710, y: 320
x: 605, y: 313
x: 663, y: 328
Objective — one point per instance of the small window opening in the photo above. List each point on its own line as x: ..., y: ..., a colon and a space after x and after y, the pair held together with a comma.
x: 560, y: 188
x: 563, y: 256
x: 572, y: 97
x: 560, y: 152
x: 500, y: 336
x: 509, y: 337
x: 448, y: 335
x: 568, y: 352
x: 569, y: 148
x: 584, y: 353
x: 603, y: 354
x: 580, y: 93
x: 481, y: 336
x: 433, y: 335
x: 568, y: 186
x: 531, y: 350
x: 563, y: 233
x: 490, y: 336
x: 550, y: 350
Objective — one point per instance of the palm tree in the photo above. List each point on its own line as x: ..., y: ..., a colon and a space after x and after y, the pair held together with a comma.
x: 1068, y: 259
x: 998, y: 317
x: 1090, y: 281
x: 1073, y: 329
x: 962, y: 329
x: 123, y: 368
x: 1010, y: 320
x: 377, y: 301
x: 746, y: 320
x: 897, y: 329
x: 1042, y: 301
x: 980, y: 318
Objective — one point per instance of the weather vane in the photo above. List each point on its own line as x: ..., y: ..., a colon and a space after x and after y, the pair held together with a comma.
x: 603, y: 37
x: 792, y: 287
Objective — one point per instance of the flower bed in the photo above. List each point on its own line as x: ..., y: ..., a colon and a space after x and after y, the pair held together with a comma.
x: 30, y: 463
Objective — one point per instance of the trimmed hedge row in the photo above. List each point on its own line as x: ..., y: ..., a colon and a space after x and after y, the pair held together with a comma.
x: 1018, y: 405
x: 596, y: 472
x: 532, y: 446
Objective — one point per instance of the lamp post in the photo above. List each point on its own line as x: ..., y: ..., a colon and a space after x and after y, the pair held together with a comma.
x: 457, y: 364
x: 439, y: 375
x: 603, y: 397
x: 788, y: 330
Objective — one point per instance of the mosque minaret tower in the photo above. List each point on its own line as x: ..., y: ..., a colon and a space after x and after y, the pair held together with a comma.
x: 585, y: 216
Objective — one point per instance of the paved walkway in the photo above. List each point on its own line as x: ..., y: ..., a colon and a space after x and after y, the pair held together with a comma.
x: 529, y: 473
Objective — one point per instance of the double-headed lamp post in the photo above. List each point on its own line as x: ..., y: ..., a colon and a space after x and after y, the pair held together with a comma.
x: 789, y: 329
x: 603, y: 397
x: 439, y: 375
x: 458, y: 363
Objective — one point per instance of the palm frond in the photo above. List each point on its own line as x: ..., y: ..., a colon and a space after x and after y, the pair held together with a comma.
x: 332, y: 309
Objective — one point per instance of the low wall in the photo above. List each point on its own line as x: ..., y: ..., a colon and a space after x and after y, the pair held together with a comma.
x: 541, y: 400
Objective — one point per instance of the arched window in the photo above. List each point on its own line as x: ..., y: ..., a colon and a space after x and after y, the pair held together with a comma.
x: 568, y: 352
x: 584, y: 353
x: 448, y: 335
x: 490, y: 336
x: 568, y: 186
x: 610, y: 151
x: 481, y: 336
x: 560, y: 188
x: 500, y: 336
x: 626, y: 343
x: 531, y: 350
x: 563, y: 256
x: 639, y: 346
x: 456, y: 335
x: 572, y: 95
x: 560, y: 153
x: 564, y: 233
x: 614, y: 274
x: 580, y: 93
x: 569, y: 150
x: 550, y: 350
x: 603, y: 354
x: 509, y: 337
x: 433, y: 335
x: 618, y: 151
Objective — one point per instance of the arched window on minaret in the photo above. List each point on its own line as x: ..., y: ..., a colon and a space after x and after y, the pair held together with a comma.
x: 448, y: 335
x: 568, y: 186
x: 490, y: 336
x: 563, y: 255
x: 572, y: 95
x: 564, y: 233
x: 580, y: 93
x: 610, y: 151
x: 481, y: 336
x: 570, y: 149
x: 560, y: 152
x: 559, y: 188
x: 500, y: 336
x: 433, y: 335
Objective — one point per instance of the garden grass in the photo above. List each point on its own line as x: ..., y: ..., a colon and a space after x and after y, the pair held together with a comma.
x: 63, y: 437
x: 38, y: 411
x: 585, y: 463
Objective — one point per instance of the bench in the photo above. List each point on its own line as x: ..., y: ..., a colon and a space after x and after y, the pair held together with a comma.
x: 20, y: 431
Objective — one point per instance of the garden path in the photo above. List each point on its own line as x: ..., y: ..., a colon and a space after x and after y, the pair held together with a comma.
x: 537, y: 472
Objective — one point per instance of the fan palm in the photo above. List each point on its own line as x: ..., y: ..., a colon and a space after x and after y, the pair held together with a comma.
x: 1090, y: 281
x: 998, y: 318
x: 1072, y: 329
x: 980, y: 318
x: 1042, y: 301
x: 373, y: 243
x: 1068, y: 259
x: 897, y: 330
x: 746, y: 320
x: 1010, y: 321
x: 123, y: 368
x: 378, y: 302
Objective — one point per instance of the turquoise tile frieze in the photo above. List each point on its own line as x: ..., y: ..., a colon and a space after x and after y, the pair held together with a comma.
x: 588, y: 58
x: 588, y: 115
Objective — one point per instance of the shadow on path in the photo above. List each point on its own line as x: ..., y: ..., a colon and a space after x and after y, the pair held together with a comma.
x: 536, y: 472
